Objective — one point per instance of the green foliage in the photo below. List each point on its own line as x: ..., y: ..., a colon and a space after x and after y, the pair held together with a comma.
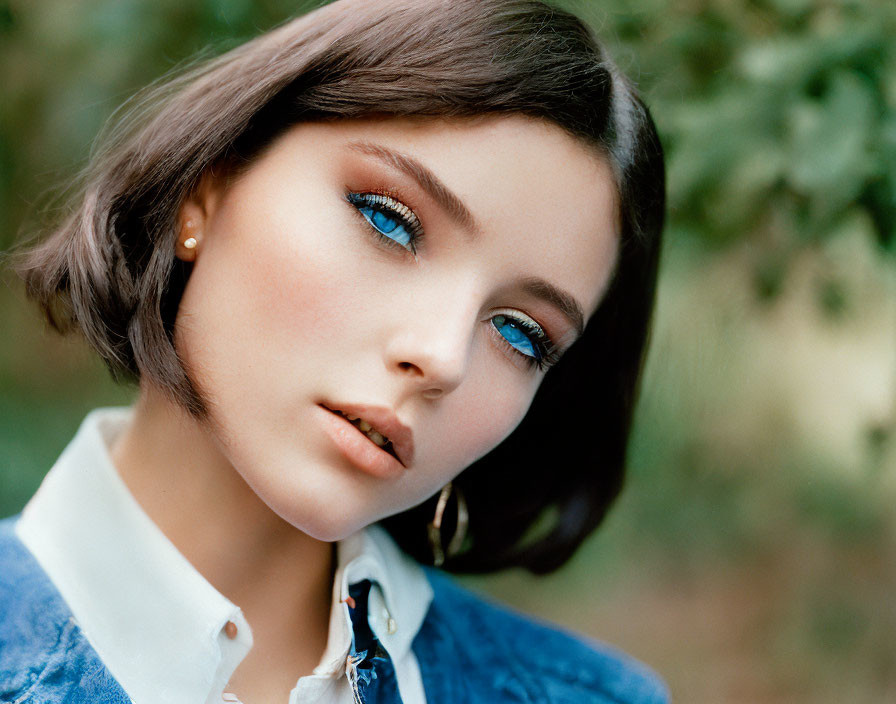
x: 778, y: 116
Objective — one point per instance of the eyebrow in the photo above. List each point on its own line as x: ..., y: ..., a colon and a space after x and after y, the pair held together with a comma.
x: 454, y: 206
x: 427, y: 180
x: 546, y: 291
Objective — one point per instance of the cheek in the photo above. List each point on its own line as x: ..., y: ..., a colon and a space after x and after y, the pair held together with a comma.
x: 482, y: 418
x: 299, y: 303
x: 290, y: 287
x: 301, y: 274
x: 265, y: 298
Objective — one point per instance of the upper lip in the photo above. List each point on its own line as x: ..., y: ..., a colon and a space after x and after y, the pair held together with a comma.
x: 386, y: 423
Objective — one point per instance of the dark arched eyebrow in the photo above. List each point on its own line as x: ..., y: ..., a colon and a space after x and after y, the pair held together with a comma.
x: 427, y: 180
x: 454, y: 206
x: 560, y: 299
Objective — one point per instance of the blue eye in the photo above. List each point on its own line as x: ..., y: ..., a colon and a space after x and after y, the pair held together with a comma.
x: 528, y: 338
x: 391, y: 219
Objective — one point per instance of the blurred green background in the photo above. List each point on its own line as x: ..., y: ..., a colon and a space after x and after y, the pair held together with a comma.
x: 753, y: 556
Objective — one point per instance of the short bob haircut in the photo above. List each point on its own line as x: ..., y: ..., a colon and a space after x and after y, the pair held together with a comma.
x: 109, y: 270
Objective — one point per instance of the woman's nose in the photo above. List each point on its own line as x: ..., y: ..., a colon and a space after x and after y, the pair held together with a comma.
x: 431, y: 348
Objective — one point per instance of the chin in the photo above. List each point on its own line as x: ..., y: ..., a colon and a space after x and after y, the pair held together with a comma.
x: 324, y: 513
x: 329, y: 528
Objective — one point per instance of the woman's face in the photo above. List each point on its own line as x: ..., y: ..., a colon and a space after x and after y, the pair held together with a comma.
x: 416, y: 273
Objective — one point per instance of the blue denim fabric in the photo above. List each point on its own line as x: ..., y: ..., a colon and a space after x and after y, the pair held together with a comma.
x: 44, y: 657
x: 472, y: 650
x: 469, y: 651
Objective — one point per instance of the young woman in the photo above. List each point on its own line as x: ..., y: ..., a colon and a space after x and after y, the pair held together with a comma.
x: 385, y: 276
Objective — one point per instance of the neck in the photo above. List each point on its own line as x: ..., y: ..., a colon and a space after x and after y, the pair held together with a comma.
x: 280, y: 577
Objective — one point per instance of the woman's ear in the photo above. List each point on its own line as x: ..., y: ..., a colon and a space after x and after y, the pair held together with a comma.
x: 194, y: 216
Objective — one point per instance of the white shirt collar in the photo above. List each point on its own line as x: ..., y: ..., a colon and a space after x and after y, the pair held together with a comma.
x: 153, y: 619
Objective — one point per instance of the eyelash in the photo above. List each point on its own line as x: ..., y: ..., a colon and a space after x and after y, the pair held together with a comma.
x: 396, y: 210
x: 546, y: 353
x: 369, y: 204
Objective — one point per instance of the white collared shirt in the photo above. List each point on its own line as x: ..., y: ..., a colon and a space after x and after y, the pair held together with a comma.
x: 157, y: 623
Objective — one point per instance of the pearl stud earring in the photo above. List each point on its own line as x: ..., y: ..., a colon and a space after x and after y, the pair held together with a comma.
x: 190, y: 242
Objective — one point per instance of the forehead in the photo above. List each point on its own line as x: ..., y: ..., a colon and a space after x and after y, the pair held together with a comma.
x: 543, y: 202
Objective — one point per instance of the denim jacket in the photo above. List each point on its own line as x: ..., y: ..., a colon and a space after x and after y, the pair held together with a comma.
x: 469, y: 650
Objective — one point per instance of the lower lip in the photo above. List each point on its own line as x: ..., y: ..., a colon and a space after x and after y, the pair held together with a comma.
x: 357, y: 448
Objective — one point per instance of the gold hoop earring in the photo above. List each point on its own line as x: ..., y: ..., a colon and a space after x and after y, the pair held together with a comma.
x: 435, y: 526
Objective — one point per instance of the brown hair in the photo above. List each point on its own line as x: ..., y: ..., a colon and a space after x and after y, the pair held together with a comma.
x: 110, y: 272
